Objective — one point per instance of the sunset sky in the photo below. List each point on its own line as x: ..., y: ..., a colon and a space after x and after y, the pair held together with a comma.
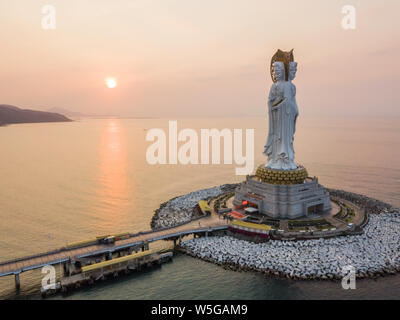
x: 176, y: 58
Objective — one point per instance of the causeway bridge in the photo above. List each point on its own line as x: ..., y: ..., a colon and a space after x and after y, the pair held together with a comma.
x: 135, y: 242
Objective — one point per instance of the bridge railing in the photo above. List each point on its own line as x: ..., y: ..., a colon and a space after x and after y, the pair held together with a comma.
x: 47, y: 253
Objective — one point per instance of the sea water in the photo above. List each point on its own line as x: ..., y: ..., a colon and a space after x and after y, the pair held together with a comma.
x: 65, y: 182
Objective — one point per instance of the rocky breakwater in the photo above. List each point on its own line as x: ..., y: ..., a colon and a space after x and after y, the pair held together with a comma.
x: 374, y: 253
x: 180, y: 210
x: 370, y: 205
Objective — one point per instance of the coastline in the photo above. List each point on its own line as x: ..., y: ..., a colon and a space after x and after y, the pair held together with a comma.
x: 6, y: 124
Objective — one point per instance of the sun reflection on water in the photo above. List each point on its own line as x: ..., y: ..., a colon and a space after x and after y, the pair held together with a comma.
x: 113, y: 192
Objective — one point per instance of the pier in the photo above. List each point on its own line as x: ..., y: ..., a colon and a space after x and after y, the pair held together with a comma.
x: 88, y: 252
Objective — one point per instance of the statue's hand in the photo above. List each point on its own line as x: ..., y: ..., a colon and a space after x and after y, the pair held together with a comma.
x: 276, y: 105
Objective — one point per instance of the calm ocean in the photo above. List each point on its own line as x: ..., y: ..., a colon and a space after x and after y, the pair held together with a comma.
x: 64, y: 182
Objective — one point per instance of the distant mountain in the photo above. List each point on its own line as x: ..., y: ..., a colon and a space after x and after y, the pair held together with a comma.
x: 10, y: 114
x: 76, y: 115
x: 68, y: 113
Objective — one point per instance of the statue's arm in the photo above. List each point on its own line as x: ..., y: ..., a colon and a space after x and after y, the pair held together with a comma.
x: 275, y: 98
x: 271, y: 96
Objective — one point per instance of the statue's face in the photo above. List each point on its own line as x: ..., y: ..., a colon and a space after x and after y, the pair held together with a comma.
x: 292, y: 70
x: 279, y: 69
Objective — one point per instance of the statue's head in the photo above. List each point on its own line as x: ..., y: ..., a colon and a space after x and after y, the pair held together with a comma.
x: 279, y: 71
x: 283, y: 56
x: 292, y: 70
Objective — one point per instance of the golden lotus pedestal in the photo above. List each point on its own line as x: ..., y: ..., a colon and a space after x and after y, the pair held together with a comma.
x: 282, y: 177
x: 283, y: 194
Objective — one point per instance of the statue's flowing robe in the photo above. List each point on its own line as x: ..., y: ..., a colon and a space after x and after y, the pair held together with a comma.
x: 273, y: 96
x: 282, y: 126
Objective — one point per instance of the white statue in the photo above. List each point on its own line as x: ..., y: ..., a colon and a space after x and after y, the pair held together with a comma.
x: 283, y: 112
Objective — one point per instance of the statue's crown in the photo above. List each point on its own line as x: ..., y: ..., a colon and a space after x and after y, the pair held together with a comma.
x: 283, y: 56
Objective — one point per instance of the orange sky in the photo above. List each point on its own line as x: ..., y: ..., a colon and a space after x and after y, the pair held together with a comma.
x: 179, y: 58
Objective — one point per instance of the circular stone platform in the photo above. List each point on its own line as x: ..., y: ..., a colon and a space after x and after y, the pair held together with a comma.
x: 282, y: 177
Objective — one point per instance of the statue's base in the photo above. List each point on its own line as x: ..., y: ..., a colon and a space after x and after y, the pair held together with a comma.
x: 282, y: 199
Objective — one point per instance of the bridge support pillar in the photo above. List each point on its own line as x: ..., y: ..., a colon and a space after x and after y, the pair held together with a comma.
x: 17, y: 281
x: 66, y: 269
x: 180, y: 240
x: 206, y: 234
x: 109, y: 256
x: 146, y: 246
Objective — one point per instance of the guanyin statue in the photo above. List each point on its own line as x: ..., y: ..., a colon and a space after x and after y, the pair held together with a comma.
x: 281, y: 175
x: 282, y: 112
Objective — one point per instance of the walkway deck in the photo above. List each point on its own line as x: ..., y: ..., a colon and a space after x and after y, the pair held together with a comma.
x: 61, y: 255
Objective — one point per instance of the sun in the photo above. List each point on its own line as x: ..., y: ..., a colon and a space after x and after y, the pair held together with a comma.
x: 111, y: 83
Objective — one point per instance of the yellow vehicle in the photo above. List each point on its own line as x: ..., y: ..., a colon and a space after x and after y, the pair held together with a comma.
x: 82, y: 243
